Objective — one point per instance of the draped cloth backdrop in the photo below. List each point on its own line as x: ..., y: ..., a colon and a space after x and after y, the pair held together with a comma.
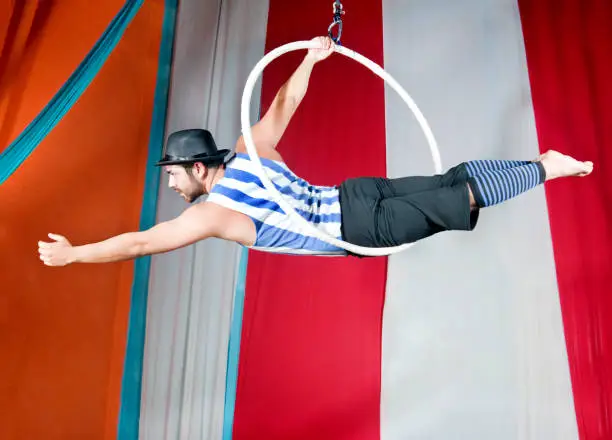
x: 498, y: 333
x: 568, y: 46
x: 64, y: 330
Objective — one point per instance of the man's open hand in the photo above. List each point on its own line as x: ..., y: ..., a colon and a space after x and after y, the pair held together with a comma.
x: 56, y: 253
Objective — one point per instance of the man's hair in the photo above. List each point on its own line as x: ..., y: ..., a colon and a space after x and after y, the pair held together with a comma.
x: 189, y: 166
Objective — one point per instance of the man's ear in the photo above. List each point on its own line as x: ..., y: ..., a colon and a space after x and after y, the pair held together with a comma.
x: 199, y: 168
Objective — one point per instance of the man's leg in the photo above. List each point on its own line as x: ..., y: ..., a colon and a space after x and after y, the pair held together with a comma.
x: 388, y: 212
x: 401, y: 186
x: 475, y: 167
x: 492, y: 187
x: 415, y: 216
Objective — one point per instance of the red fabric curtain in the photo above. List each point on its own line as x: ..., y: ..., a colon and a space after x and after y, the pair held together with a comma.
x: 569, y: 54
x: 310, y: 355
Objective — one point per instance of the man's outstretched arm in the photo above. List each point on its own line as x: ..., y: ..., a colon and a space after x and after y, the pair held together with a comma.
x: 192, y: 225
x: 269, y: 130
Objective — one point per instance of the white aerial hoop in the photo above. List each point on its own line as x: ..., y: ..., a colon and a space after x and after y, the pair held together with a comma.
x: 252, y: 151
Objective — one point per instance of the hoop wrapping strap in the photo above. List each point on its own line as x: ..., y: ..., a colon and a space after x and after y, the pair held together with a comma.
x: 252, y: 150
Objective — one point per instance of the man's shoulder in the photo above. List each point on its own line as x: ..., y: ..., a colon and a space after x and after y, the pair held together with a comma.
x: 263, y: 153
x: 209, y: 213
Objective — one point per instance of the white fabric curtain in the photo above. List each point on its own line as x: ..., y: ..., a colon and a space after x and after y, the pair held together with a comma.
x: 473, y: 344
x: 191, y: 290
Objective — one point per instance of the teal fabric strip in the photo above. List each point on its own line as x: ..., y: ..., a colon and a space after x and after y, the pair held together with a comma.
x: 129, y: 413
x: 233, y: 355
x: 19, y: 150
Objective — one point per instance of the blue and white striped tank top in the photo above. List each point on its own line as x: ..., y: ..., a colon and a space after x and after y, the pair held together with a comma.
x: 241, y: 190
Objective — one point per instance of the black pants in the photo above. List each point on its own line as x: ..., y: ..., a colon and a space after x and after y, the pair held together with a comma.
x: 382, y: 212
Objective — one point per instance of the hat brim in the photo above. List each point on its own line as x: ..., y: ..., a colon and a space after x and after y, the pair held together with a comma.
x: 221, y: 157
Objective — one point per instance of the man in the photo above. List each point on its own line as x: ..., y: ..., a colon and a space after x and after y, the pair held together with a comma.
x: 371, y: 212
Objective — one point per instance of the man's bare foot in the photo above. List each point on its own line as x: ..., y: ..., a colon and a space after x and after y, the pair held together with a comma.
x: 560, y: 165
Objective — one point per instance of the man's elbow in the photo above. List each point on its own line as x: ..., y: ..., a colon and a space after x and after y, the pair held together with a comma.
x: 288, y: 104
x: 138, y: 245
x: 286, y: 100
x: 156, y: 240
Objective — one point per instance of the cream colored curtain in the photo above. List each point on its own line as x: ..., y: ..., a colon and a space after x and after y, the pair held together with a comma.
x: 191, y: 290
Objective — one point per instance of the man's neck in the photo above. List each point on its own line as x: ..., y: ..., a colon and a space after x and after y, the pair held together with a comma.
x: 213, y: 177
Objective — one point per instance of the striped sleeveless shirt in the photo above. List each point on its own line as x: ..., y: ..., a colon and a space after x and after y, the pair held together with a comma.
x: 241, y: 190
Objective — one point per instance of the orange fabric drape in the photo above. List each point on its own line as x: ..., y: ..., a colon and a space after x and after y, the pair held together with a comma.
x: 63, y: 330
x: 6, y: 10
x: 15, y: 34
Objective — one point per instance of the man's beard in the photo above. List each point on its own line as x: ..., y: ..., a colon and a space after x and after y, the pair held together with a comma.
x: 192, y: 196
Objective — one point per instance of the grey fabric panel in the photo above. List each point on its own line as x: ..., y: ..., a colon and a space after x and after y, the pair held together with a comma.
x: 473, y: 344
x: 191, y: 289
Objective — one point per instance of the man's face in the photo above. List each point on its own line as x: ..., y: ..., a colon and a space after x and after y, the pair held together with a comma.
x: 184, y: 182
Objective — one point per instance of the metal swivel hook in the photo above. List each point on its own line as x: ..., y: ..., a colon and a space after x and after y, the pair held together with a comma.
x: 338, y: 12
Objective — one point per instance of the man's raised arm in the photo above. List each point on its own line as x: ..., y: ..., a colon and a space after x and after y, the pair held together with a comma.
x: 269, y: 130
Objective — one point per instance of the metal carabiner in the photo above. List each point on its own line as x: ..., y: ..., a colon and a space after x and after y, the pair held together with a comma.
x: 338, y: 12
x: 331, y: 27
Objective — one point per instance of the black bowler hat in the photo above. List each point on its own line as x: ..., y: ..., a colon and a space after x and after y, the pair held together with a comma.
x: 193, y: 145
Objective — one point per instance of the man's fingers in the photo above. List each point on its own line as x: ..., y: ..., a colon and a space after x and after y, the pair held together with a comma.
x: 56, y: 237
x: 45, y: 247
x: 324, y: 42
x: 46, y: 261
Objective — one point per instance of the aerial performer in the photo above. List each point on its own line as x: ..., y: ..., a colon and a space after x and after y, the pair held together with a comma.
x: 372, y: 212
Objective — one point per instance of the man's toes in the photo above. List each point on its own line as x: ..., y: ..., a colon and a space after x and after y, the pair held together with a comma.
x: 587, y: 168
